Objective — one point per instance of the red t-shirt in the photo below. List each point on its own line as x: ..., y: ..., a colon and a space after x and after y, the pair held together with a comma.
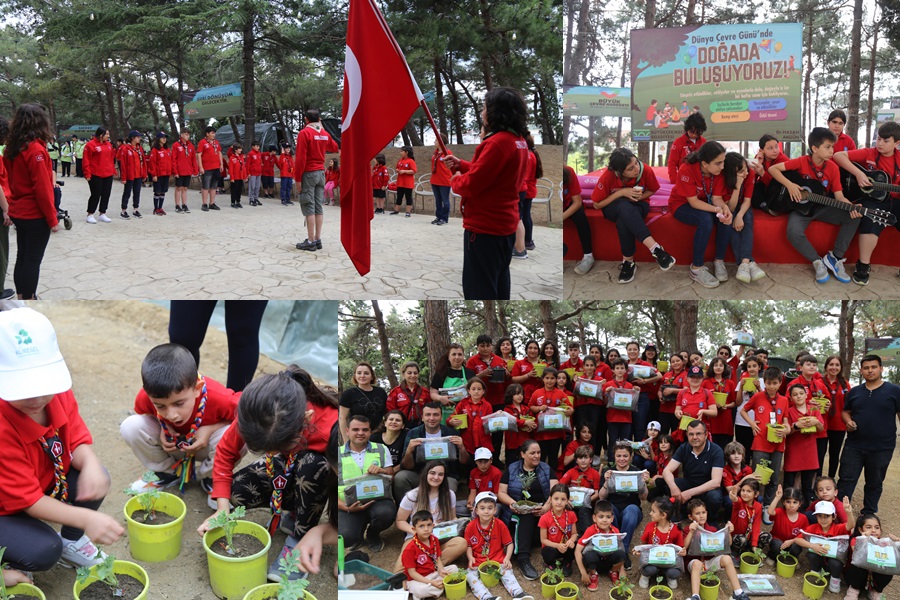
x: 784, y: 529
x: 268, y: 164
x: 485, y: 482
x: 731, y: 477
x: 814, y: 387
x: 409, y: 402
x: 489, y: 184
x: 746, y: 189
x: 692, y: 182
x: 833, y: 420
x: 667, y: 405
x: 723, y: 422
x: 210, y: 154
x: 495, y: 391
x: 845, y: 143
x: 829, y: 175
x: 254, y: 163
x: 529, y: 183
x: 27, y: 472
x: 608, y: 183
x: 835, y: 529
x: 761, y: 407
x: 313, y: 142
x: 31, y: 184
x: 559, y: 528
x: 681, y: 147
x: 474, y: 436
x: 588, y: 478
x: 871, y: 159
x: 747, y: 520
x: 406, y: 180
x: 800, y: 452
x: 221, y: 404
x: 4, y: 180
x: 421, y: 557
x: 573, y: 189
x: 692, y: 403
x: 98, y: 159
x: 617, y: 415
x: 523, y: 367
x: 568, y: 364
x: 380, y: 177
x: 652, y: 535
x: 315, y: 436
x: 440, y: 174
x: 496, y: 539
x: 185, y: 159
x: 552, y: 398
x: 515, y: 439
x: 766, y: 163
x: 160, y: 163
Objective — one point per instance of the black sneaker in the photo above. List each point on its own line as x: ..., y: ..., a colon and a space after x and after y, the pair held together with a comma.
x: 177, y: 208
x: 626, y: 271
x: 239, y: 205
x: 528, y: 571
x: 435, y: 222
x: 7, y: 294
x: 529, y: 245
x: 214, y: 206
x: 627, y: 563
x: 318, y: 244
x: 567, y: 569
x: 395, y: 212
x: 663, y: 258
x: 137, y: 214
x: 442, y: 222
x: 861, y: 274
x: 205, y: 208
x: 185, y: 210
x: 207, y: 484
x: 375, y: 544
x: 307, y: 245
x: 124, y: 215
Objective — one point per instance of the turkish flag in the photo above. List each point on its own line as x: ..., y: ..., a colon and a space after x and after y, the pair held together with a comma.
x: 380, y: 95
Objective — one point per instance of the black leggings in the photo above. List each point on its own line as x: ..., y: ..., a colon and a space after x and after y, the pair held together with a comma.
x: 31, y: 544
x: 835, y: 445
x: 550, y: 451
x: 525, y: 215
x: 832, y: 565
x: 132, y: 189
x: 602, y: 563
x: 306, y: 491
x: 101, y: 189
x: 189, y: 319
x: 807, y: 478
x: 237, y: 188
x: 821, y: 448
x: 580, y: 220
x: 552, y: 555
x: 32, y: 237
x: 775, y: 549
x: 858, y: 578
x: 401, y: 192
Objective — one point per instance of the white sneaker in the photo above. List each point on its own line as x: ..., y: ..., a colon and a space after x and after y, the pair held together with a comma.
x: 721, y: 273
x: 873, y: 595
x: 704, y: 277
x: 82, y: 553
x: 90, y: 219
x: 756, y: 272
x: 104, y: 219
x: 834, y: 585
x: 584, y: 265
x: 743, y: 273
x: 672, y: 583
x: 166, y: 480
x: 644, y: 582
x: 770, y: 562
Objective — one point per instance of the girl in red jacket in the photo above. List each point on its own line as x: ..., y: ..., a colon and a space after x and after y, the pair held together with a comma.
x: 533, y: 171
x: 286, y: 168
x: 160, y: 168
x: 131, y: 164
x: 332, y: 181
x: 184, y: 166
x: 380, y: 180
x: 238, y: 171
x: 99, y: 168
x: 406, y: 181
x: 289, y: 419
x: 31, y: 206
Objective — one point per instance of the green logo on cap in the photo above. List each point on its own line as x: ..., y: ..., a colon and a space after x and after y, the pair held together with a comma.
x: 23, y: 337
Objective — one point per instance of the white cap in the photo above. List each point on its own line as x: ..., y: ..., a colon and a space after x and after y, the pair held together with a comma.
x: 483, y: 453
x: 485, y: 496
x: 31, y: 364
x: 824, y: 508
x: 654, y: 425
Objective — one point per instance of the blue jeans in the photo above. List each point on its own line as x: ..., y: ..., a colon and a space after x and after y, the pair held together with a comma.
x: 441, y: 201
x: 286, y: 185
x: 627, y: 521
x: 875, y: 463
x: 618, y: 431
x: 742, y: 241
x: 639, y: 419
x: 713, y: 498
x: 629, y: 219
x: 704, y: 222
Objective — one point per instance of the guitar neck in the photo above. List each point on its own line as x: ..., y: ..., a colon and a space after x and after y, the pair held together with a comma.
x: 885, y: 187
x: 829, y: 201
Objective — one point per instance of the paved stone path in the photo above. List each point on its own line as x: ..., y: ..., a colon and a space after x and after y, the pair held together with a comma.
x: 250, y: 253
x: 784, y: 282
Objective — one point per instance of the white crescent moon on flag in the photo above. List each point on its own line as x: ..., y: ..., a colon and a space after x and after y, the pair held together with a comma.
x: 354, y: 82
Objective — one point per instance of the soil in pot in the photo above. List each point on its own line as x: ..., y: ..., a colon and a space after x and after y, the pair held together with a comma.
x: 813, y: 580
x: 617, y: 596
x: 567, y: 592
x: 751, y: 560
x: 131, y: 589
x: 160, y: 518
x: 365, y: 581
x: 661, y: 594
x: 243, y: 545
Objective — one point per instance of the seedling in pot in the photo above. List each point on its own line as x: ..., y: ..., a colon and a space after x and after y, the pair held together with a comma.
x: 228, y: 521
x: 785, y: 557
x: 821, y: 575
x: 491, y: 570
x: 709, y: 577
x: 287, y: 589
x: 147, y: 499
x: 553, y: 576
x: 457, y: 577
x: 104, y: 573
x: 764, y: 463
x: 4, y: 595
x: 623, y: 589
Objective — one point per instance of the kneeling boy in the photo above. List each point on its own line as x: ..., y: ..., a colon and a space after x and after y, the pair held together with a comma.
x: 488, y: 539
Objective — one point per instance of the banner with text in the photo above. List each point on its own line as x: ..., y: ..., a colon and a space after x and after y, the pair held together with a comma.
x: 887, y: 348
x: 221, y: 101
x: 597, y: 102
x: 744, y: 79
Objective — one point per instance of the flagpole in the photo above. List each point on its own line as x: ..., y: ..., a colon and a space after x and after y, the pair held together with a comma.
x: 437, y: 134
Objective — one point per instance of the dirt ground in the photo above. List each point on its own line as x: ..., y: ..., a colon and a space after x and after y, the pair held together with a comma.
x: 103, y: 344
x: 889, y: 513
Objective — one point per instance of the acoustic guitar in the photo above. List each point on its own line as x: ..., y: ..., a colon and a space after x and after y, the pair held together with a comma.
x: 879, y: 190
x: 813, y: 195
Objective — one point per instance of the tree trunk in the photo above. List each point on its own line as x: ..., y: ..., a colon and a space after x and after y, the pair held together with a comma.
x: 247, y: 47
x: 454, y: 99
x: 846, y: 343
x: 855, y: 67
x: 649, y: 23
x: 167, y: 106
x: 502, y: 318
x: 439, y: 106
x: 113, y: 126
x: 547, y: 321
x: 385, y: 346
x: 179, y: 73
x: 120, y: 104
x: 101, y: 104
x: 490, y: 319
x: 437, y: 331
x: 870, y: 108
x: 592, y: 122
x: 410, y: 130
x: 806, y: 92
x: 686, y: 317
x: 485, y: 57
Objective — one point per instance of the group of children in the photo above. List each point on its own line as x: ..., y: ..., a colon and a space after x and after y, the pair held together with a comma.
x: 186, y: 426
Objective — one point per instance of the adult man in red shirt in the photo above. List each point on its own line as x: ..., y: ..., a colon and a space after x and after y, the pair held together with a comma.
x: 209, y: 160
x: 309, y: 170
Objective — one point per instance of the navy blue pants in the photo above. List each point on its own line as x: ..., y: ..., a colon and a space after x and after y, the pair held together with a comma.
x: 486, y: 261
x: 704, y: 222
x: 441, y: 201
x: 133, y: 189
x: 525, y: 215
x: 629, y: 219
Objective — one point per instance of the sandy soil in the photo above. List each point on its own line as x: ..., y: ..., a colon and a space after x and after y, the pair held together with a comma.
x: 103, y: 344
x: 889, y: 513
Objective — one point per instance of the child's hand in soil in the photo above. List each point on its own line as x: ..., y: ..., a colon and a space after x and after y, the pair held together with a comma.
x: 102, y: 529
x: 204, y: 526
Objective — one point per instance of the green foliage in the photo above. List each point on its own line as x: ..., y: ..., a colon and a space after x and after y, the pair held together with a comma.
x: 228, y: 521
x: 104, y: 572
x: 553, y: 575
x: 787, y: 558
x: 287, y: 589
x: 147, y: 499
x: 623, y: 587
x: 710, y: 576
x: 3, y: 593
x: 766, y: 464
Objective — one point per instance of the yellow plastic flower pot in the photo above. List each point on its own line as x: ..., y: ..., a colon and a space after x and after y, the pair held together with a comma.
x: 120, y: 567
x: 455, y: 591
x: 685, y: 421
x: 662, y: 366
x: 539, y: 369
x: 765, y: 474
x: 489, y: 579
x: 749, y: 385
x: 813, y: 590
x: 510, y: 364
x: 566, y: 585
x: 661, y: 588
x: 270, y: 590
x: 570, y: 372
x: 721, y: 399
x: 156, y: 543
x: 230, y: 577
x: 709, y: 592
x: 747, y: 568
x: 771, y: 434
x: 25, y: 590
x: 786, y: 569
x: 548, y: 590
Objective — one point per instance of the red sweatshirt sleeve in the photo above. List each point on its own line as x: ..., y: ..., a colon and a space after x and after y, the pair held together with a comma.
x: 300, y: 158
x: 39, y: 168
x: 86, y: 160
x: 228, y: 455
x: 757, y: 525
x: 476, y: 176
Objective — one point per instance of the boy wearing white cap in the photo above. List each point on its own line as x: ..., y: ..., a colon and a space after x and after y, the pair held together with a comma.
x: 485, y: 477
x: 822, y: 557
x: 488, y: 538
x: 48, y: 470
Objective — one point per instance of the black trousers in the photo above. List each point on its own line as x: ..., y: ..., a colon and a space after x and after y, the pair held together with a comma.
x: 524, y: 531
x: 78, y: 171
x: 31, y: 544
x: 602, y: 563
x: 66, y: 169
x: 817, y: 563
x: 858, y: 578
x: 132, y: 188
x: 32, y: 237
x: 875, y: 463
x: 525, y: 215
x: 550, y: 451
x: 835, y: 445
x: 775, y: 549
x: 378, y: 517
x: 807, y: 478
x: 744, y: 436
x: 189, y: 319
x: 580, y: 220
x: 101, y: 189
x: 486, y: 261
x: 552, y: 555
x: 237, y: 188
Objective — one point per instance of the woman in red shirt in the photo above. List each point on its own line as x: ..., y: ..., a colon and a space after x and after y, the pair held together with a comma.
x: 672, y: 382
x: 99, y: 167
x: 409, y: 397
x: 32, y: 206
x: 523, y: 371
x: 440, y: 183
x: 698, y: 200
x: 837, y: 387
x: 160, y: 167
x: 739, y: 183
x: 406, y: 181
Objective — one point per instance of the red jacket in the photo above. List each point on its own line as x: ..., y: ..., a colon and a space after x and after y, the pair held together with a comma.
x: 98, y: 159
x: 312, y: 144
x: 131, y: 164
x: 286, y: 165
x: 406, y: 180
x: 529, y: 184
x: 160, y: 164
x: 268, y: 164
x: 237, y: 167
x: 440, y: 174
x: 210, y: 154
x: 4, y: 183
x: 489, y: 184
x: 332, y: 175
x: 380, y: 177
x: 31, y: 184
x: 254, y: 163
x: 681, y: 147
x: 184, y: 158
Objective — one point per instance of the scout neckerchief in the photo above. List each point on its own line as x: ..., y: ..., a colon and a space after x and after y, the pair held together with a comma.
x: 564, y: 530
x: 185, y: 469
x: 819, y: 172
x: 657, y: 533
x: 430, y: 551
x: 751, y: 515
x: 54, y: 449
x: 279, y: 482
x: 485, y: 536
x: 414, y: 412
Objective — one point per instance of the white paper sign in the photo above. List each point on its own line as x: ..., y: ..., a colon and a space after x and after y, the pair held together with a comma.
x: 831, y: 546
x: 589, y: 389
x: 605, y: 543
x: 497, y: 424
x: 455, y: 393
x: 436, y: 450
x: 881, y: 556
x: 627, y: 483
x: 555, y: 421
x: 366, y: 490
x: 622, y: 400
x: 662, y: 555
x: 443, y: 532
x: 712, y: 541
